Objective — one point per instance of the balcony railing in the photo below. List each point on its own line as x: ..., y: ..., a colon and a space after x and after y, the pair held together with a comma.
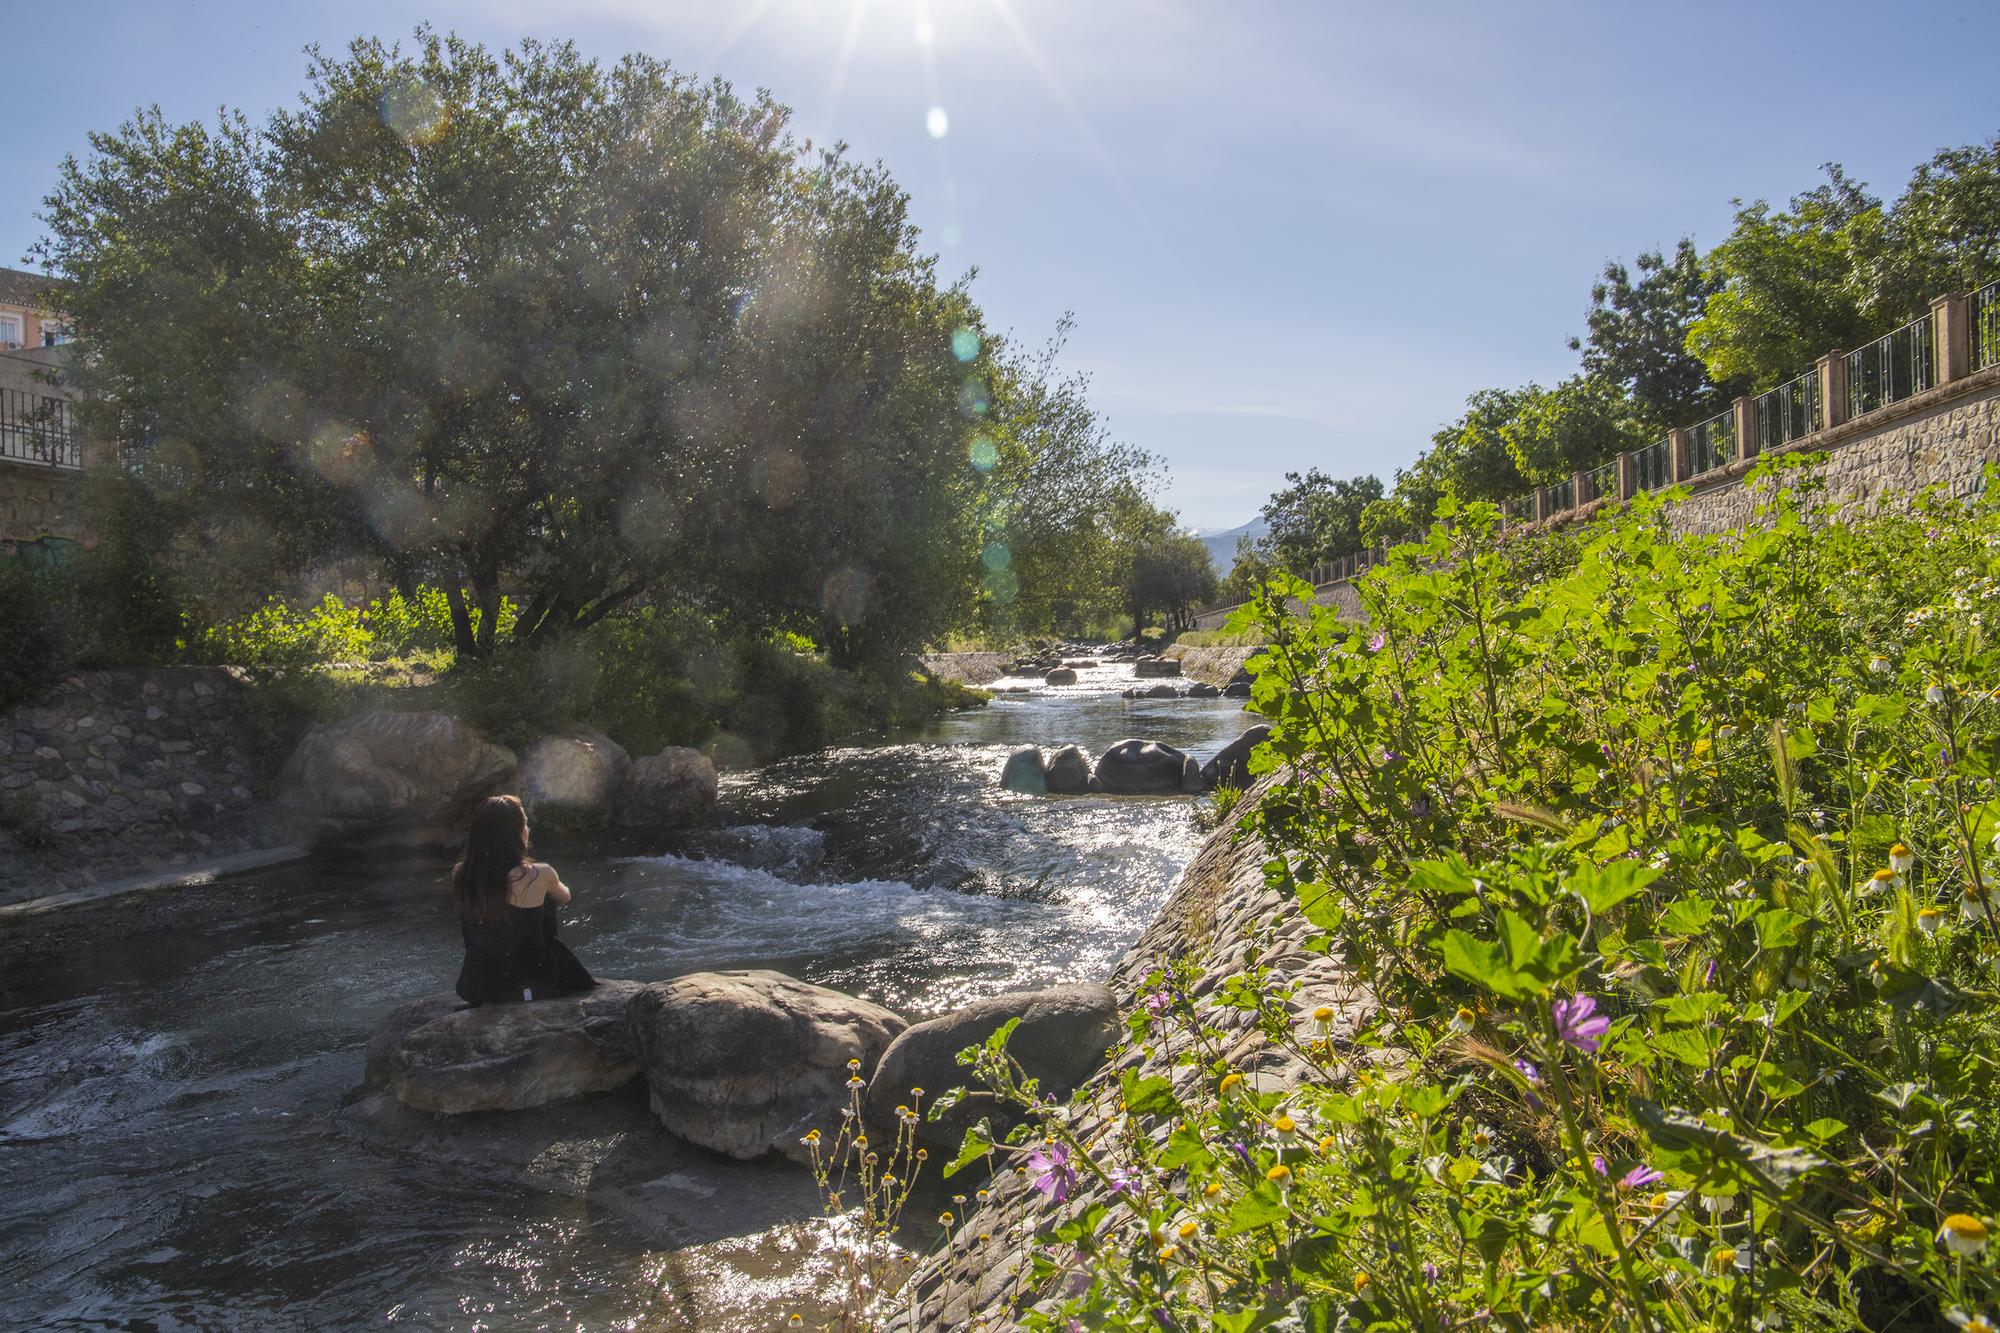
x: 35, y: 428
x: 1712, y: 444
x: 1654, y: 467
x: 1789, y: 412
x: 1893, y: 367
x: 1562, y: 496
x: 1983, y: 314
x: 1599, y: 483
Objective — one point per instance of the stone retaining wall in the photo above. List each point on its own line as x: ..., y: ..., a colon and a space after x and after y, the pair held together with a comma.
x: 1210, y: 666
x: 116, y: 773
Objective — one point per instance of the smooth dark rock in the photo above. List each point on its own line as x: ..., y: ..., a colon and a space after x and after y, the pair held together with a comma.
x: 1061, y: 1039
x: 570, y: 782
x: 1068, y: 770
x: 1231, y: 765
x: 1199, y: 690
x: 1143, y: 768
x: 747, y: 1062
x: 438, y: 1054
x: 1060, y: 676
x: 1157, y: 692
x: 1156, y: 666
x: 1191, y: 780
x: 1237, y: 689
x: 1024, y: 771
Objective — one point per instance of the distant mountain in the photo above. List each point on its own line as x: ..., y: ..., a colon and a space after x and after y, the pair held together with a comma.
x: 1222, y: 545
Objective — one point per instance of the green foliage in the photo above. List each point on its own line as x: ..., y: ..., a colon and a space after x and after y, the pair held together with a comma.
x: 107, y: 607
x: 1171, y: 574
x: 1638, y: 337
x: 1663, y: 866
x: 1575, y: 426
x: 1315, y: 518
x: 282, y: 636
x: 1788, y: 285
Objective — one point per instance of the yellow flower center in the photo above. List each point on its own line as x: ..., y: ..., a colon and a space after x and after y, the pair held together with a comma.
x: 1360, y: 1282
x: 1722, y: 1260
x: 1323, y: 1014
x: 1188, y: 1230
x: 1278, y: 1174
x: 1965, y: 1226
x: 1884, y: 876
x: 1284, y: 1124
x: 1230, y: 1080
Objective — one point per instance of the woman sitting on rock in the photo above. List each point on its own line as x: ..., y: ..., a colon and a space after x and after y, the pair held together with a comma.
x: 507, y: 912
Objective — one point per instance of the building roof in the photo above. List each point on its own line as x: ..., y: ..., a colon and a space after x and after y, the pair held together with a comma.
x: 22, y: 288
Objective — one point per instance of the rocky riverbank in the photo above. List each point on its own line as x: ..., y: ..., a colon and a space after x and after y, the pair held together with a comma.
x: 1215, y: 913
x: 1220, y: 667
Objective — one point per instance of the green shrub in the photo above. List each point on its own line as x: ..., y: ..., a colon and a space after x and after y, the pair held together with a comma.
x: 1665, y: 867
x: 101, y: 608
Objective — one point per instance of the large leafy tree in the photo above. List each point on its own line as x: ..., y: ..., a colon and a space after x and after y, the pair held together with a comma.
x: 1638, y: 336
x: 584, y: 334
x: 1582, y: 422
x: 1790, y: 285
x: 1943, y: 234
x: 1055, y: 501
x: 1316, y: 518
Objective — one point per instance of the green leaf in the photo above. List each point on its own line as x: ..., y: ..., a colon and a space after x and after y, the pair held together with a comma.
x: 1687, y: 1045
x: 972, y: 1148
x: 1480, y: 962
x: 1780, y: 928
x: 1259, y: 1208
x: 1604, y: 887
x: 1687, y: 916
x: 1691, y: 1143
x: 1151, y: 1095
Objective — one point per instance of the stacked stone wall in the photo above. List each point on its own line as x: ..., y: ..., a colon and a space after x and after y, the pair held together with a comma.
x: 117, y: 773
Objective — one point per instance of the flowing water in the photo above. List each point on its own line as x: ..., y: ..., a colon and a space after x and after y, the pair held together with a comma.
x: 174, y: 1148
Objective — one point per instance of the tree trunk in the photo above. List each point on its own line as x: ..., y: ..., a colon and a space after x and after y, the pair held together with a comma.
x: 461, y: 623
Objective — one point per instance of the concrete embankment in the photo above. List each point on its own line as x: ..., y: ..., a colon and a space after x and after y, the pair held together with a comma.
x: 1216, y: 914
x: 1211, y: 666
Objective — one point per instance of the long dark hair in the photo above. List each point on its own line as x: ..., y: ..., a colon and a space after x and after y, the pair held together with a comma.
x: 496, y: 845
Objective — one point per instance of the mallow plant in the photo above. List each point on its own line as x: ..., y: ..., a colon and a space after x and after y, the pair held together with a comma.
x: 1665, y: 865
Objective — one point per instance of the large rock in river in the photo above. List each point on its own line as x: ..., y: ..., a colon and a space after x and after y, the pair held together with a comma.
x: 1023, y: 771
x: 390, y: 779
x: 439, y: 1054
x: 1068, y: 770
x: 1061, y: 1039
x: 1062, y: 675
x: 665, y: 789
x: 569, y: 782
x: 747, y: 1062
x: 1156, y: 666
x: 1141, y: 768
x: 1231, y: 765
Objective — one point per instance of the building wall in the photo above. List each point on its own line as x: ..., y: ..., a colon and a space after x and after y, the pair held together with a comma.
x: 31, y: 323
x: 39, y: 503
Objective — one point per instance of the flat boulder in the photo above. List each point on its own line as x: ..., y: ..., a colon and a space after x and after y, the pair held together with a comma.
x: 570, y: 782
x: 390, y: 780
x: 1203, y: 690
x: 1156, y: 666
x: 1231, y: 765
x: 1157, y: 692
x: 1068, y: 770
x: 1061, y: 1039
x: 1062, y: 675
x: 1236, y: 689
x: 747, y: 1062
x: 441, y: 1055
x: 1140, y: 768
x: 1023, y: 771
x: 665, y: 790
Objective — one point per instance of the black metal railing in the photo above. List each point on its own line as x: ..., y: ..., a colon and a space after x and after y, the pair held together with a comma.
x: 1982, y: 312
x: 1654, y: 466
x: 1712, y: 444
x: 1789, y: 412
x: 1520, y: 509
x: 1562, y: 496
x: 1893, y: 367
x: 1600, y: 483
x: 35, y: 428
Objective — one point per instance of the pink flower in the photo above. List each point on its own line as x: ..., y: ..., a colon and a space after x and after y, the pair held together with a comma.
x: 1375, y: 641
x: 1054, y: 1176
x: 1637, y: 1176
x: 1579, y: 1023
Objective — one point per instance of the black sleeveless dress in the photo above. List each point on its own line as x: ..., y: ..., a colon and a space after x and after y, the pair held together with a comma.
x: 518, y: 957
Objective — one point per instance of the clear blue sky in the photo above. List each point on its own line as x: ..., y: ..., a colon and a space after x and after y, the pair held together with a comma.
x: 1293, y: 235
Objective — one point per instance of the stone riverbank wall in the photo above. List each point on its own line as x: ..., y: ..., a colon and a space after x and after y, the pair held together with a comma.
x: 1211, y: 666
x: 117, y: 773
x: 1214, y: 916
x: 1942, y: 437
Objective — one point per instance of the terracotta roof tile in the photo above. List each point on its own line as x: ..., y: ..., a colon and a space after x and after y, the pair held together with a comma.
x: 19, y: 288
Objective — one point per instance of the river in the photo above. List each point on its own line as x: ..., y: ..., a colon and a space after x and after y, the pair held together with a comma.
x: 175, y: 1152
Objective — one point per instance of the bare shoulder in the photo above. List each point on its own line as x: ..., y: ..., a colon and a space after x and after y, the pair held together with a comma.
x: 528, y: 883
